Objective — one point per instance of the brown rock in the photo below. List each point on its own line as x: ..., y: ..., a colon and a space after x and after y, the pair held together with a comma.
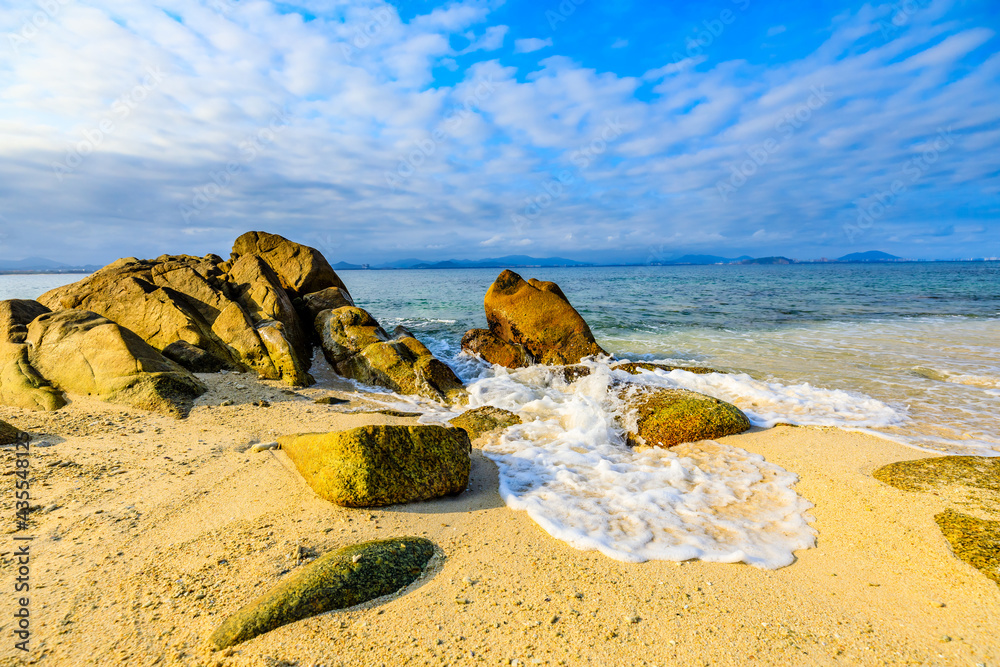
x: 491, y: 348
x: 541, y: 320
x: 484, y: 419
x: 635, y: 367
x: 301, y: 269
x: 347, y: 331
x: 81, y: 352
x: 9, y: 434
x: 330, y: 298
x: 15, y: 315
x: 21, y: 385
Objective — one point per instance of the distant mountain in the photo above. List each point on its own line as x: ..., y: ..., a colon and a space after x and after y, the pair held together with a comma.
x: 344, y: 266
x: 707, y: 259
x: 768, y: 260
x: 42, y: 265
x: 870, y: 256
x: 508, y: 262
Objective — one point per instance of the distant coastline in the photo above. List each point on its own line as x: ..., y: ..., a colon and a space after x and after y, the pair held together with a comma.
x: 47, y: 267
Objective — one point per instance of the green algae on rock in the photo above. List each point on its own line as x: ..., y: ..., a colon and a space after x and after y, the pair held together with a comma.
x: 484, y: 419
x: 667, y: 417
x: 981, y: 472
x: 336, y: 580
x: 371, y: 466
x: 635, y: 367
x: 975, y: 541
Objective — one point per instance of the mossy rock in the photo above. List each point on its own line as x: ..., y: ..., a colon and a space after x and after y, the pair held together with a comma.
x: 636, y: 367
x: 336, y: 580
x: 975, y: 541
x: 371, y: 466
x: 484, y: 419
x: 667, y: 417
x: 981, y: 472
x: 9, y: 434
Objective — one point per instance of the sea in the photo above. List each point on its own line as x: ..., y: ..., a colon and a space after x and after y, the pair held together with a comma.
x: 908, y: 352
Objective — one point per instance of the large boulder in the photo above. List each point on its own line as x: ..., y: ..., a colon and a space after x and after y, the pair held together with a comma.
x: 81, y: 352
x: 372, y: 466
x: 484, y: 419
x: 337, y: 580
x: 15, y: 315
x: 664, y: 417
x: 300, y: 268
x: 359, y: 348
x: 536, y: 316
x: 236, y: 314
x: 330, y: 298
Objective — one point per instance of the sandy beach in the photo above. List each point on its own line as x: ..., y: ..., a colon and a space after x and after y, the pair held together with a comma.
x: 152, y: 530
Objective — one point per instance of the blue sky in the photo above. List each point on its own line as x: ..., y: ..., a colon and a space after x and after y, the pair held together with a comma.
x: 614, y: 132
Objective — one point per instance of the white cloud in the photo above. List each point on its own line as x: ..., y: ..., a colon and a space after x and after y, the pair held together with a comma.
x: 531, y: 44
x: 368, y: 154
x: 775, y: 30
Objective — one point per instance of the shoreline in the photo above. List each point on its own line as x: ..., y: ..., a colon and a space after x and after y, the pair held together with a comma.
x: 163, y: 527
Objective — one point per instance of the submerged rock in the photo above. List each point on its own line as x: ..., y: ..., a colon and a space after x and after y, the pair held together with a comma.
x: 636, y: 367
x: 979, y: 472
x: 84, y: 353
x: 484, y: 419
x: 336, y: 580
x: 371, y: 466
x: 975, y: 541
x: 666, y: 417
x: 536, y: 316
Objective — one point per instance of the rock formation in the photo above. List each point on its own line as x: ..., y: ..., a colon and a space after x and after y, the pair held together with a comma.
x: 530, y: 322
x: 665, y: 417
x: 81, y: 352
x: 260, y: 311
x: 9, y: 434
x: 484, y: 419
x: 20, y: 384
x: 336, y: 580
x: 371, y: 466
x: 358, y: 347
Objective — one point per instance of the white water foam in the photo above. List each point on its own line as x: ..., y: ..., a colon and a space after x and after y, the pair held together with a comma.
x: 568, y: 467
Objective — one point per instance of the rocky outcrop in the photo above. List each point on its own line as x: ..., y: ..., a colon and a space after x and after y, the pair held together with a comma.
x: 372, y: 466
x: 20, y: 384
x: 663, y: 417
x: 356, y: 346
x: 336, y: 580
x: 238, y: 314
x: 636, y: 367
x: 536, y: 316
x: 330, y: 298
x: 81, y: 352
x: 484, y: 419
x: 300, y: 269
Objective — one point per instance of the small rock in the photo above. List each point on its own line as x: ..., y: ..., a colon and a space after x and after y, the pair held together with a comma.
x: 226, y: 402
x: 330, y: 400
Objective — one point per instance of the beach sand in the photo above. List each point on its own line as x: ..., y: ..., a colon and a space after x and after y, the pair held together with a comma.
x: 162, y: 527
